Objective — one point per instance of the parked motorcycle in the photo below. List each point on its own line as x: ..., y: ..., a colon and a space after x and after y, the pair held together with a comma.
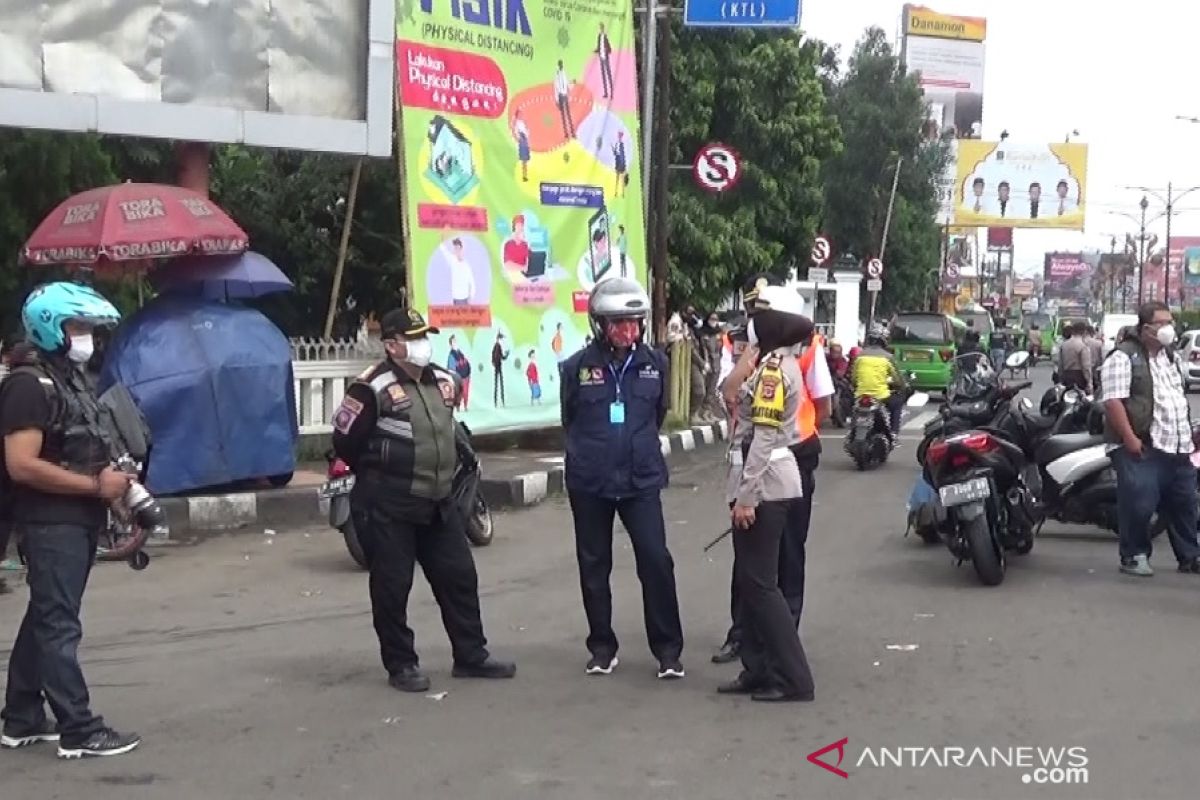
x: 982, y: 478
x: 476, y: 512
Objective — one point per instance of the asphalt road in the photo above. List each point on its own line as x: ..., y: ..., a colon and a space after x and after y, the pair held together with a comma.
x: 249, y: 665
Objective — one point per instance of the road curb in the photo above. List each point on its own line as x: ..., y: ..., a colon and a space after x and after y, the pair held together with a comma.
x: 299, y: 505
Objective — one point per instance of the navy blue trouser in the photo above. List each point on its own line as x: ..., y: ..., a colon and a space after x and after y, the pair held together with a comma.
x: 1162, y: 482
x: 44, y: 664
x: 642, y: 516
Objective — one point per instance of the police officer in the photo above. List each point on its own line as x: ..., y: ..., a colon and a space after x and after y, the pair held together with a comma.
x: 58, y: 463
x: 396, y: 430
x: 764, y: 483
x: 816, y: 389
x: 614, y: 400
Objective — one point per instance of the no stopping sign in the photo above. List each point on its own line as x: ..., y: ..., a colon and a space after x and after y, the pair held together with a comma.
x: 717, y: 167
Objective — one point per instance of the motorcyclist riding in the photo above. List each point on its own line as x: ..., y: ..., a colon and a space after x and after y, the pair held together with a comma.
x: 875, y: 375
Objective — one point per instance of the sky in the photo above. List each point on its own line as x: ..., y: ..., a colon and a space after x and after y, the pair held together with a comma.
x: 1118, y: 74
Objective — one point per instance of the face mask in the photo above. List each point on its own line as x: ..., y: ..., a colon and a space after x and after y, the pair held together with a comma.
x: 623, y: 332
x: 751, y: 334
x: 420, y: 352
x: 82, y: 348
x: 1166, y: 335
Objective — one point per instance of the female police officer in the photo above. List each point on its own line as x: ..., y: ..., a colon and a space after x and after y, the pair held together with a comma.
x: 614, y: 400
x: 764, y: 482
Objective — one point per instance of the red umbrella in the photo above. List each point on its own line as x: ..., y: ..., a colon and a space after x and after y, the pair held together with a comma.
x: 133, y: 222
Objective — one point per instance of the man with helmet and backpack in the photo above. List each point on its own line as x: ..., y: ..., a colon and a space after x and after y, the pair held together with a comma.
x: 614, y: 401
x: 60, y: 472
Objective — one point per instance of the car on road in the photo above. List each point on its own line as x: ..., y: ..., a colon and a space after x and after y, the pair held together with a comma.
x: 925, y: 346
x: 1110, y: 328
x: 1187, y: 358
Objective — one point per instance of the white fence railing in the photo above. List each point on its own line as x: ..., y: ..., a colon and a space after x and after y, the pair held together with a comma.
x: 319, y: 389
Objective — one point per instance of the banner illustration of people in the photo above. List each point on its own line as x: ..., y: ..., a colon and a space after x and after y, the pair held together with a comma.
x: 520, y: 147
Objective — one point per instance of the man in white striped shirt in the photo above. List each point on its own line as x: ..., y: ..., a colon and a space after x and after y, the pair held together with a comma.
x: 1148, y: 427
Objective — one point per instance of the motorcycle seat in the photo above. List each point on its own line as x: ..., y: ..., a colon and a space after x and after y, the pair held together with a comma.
x: 1058, y: 446
x: 977, y: 411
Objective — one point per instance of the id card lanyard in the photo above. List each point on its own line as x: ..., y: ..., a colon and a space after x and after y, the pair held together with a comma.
x: 616, y: 411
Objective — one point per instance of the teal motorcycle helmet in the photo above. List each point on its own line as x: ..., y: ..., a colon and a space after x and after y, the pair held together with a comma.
x: 50, y: 306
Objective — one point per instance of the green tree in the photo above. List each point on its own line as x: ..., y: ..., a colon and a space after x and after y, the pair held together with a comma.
x: 37, y: 172
x: 293, y: 207
x: 761, y: 93
x: 881, y: 110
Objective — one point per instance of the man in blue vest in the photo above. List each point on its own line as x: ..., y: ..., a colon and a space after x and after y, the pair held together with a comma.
x: 614, y: 400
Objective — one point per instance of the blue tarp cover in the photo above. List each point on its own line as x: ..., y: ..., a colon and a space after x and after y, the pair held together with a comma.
x: 215, y: 384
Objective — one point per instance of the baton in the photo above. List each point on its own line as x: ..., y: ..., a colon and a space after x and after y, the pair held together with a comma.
x: 719, y: 539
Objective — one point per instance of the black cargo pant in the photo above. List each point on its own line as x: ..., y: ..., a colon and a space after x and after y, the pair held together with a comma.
x: 642, y: 516
x: 771, y: 651
x: 792, y: 558
x: 44, y: 664
x: 394, y: 541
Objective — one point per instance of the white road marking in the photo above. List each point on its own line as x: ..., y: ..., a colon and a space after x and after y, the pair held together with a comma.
x: 918, y: 422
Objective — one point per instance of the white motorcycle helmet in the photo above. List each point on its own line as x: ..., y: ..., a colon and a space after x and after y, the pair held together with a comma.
x: 617, y: 298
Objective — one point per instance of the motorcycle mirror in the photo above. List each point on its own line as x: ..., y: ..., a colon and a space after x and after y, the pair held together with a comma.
x: 917, y: 400
x: 1017, y: 360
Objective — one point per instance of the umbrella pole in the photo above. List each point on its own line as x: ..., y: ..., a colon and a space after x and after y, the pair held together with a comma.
x: 342, y: 249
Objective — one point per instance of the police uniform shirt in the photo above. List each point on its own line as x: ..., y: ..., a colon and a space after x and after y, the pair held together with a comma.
x: 762, y: 466
x: 25, y: 405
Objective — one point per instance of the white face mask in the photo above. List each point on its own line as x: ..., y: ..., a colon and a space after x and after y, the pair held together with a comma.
x: 82, y: 348
x: 1166, y: 335
x: 420, y: 352
x: 751, y: 334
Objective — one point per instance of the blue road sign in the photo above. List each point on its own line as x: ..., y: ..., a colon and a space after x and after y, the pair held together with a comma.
x: 742, y: 13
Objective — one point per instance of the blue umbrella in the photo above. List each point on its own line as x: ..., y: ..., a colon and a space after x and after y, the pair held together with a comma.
x: 237, y: 277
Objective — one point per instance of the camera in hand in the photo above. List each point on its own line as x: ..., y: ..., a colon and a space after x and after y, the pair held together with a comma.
x: 144, y: 507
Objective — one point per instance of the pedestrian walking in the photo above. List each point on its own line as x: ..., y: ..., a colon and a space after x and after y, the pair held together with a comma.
x: 764, y: 482
x: 711, y: 343
x: 1148, y: 428
x: 395, y: 428
x: 58, y: 463
x: 1075, y: 359
x: 1095, y: 343
x: 614, y: 401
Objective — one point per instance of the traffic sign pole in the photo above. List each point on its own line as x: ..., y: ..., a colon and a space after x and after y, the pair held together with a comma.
x: 874, y: 283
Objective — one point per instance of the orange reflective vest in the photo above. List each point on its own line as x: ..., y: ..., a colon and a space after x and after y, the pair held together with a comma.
x: 806, y: 417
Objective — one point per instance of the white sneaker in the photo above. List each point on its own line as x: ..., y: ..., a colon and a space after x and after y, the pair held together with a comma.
x: 600, y: 666
x: 1138, y: 565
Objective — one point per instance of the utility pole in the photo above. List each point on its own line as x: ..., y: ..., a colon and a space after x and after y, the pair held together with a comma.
x: 661, y: 168
x: 1142, y: 250
x: 649, y: 57
x: 887, y: 226
x: 1167, y: 262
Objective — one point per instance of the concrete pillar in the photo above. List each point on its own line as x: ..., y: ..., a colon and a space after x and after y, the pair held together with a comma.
x: 846, y: 307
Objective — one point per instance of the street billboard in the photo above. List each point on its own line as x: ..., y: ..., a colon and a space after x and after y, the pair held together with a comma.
x: 521, y: 188
x: 1003, y: 185
x: 1067, y: 278
x: 947, y: 54
x: 301, y: 74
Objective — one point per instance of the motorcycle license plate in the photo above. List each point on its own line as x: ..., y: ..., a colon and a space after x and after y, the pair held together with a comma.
x: 338, y: 486
x: 957, y: 494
